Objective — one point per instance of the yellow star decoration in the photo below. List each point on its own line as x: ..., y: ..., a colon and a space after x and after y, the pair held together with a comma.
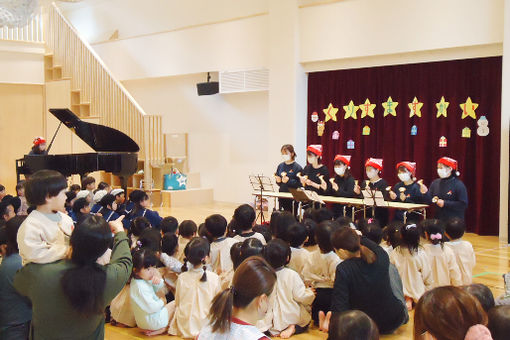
x: 441, y: 108
x: 468, y: 109
x: 415, y: 107
x: 350, y: 110
x: 390, y: 107
x: 330, y: 112
x: 367, y: 109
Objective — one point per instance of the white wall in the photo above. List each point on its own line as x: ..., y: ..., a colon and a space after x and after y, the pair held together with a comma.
x: 227, y: 134
x: 21, y: 63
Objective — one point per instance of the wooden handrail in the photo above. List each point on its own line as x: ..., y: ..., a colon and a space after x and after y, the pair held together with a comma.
x: 108, y: 98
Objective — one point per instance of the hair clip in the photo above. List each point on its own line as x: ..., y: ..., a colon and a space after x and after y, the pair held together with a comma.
x: 370, y: 220
x: 436, y: 236
x: 139, y: 243
x: 409, y: 226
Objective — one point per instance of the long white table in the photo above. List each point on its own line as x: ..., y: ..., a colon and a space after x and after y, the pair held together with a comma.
x: 353, y: 203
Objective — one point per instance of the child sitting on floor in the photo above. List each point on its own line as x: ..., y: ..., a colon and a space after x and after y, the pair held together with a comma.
x: 169, y: 247
x: 463, y: 250
x: 216, y: 226
x: 290, y: 301
x: 196, y: 288
x: 187, y: 230
x: 244, y: 217
x: 44, y: 235
x: 169, y: 224
x: 297, y: 237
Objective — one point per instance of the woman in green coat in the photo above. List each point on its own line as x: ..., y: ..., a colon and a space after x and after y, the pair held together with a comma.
x: 69, y: 296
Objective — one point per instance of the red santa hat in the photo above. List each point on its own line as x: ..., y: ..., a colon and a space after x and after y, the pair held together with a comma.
x: 39, y: 141
x: 346, y: 159
x: 315, y: 149
x: 376, y: 163
x: 450, y: 162
x: 411, y: 166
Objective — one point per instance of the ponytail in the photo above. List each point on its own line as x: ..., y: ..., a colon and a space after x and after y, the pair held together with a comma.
x: 184, y: 267
x: 84, y: 287
x: 204, y: 275
x: 221, y: 310
x: 347, y: 239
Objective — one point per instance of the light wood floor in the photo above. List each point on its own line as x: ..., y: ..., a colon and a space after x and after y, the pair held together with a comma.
x: 491, y: 256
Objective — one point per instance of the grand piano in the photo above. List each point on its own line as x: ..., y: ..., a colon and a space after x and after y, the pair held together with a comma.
x: 115, y: 151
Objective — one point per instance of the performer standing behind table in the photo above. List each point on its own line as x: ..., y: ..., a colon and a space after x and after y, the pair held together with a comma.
x: 315, y: 175
x: 39, y: 147
x: 342, y: 185
x: 286, y: 175
x: 408, y: 190
x: 448, y: 192
x: 373, y: 169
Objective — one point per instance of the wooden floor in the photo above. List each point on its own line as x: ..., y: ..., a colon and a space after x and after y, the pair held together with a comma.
x: 491, y: 256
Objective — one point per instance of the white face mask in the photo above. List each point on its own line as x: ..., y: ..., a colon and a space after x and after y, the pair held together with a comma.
x: 444, y: 172
x: 286, y: 157
x: 340, y: 170
x: 404, y: 176
x: 311, y: 159
x: 371, y: 174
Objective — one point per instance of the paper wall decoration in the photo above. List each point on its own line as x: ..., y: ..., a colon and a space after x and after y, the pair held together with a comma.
x: 350, y: 110
x: 390, y: 107
x: 367, y: 109
x: 415, y: 108
x: 335, y: 135
x: 330, y: 113
x: 414, y: 130
x: 468, y: 109
x: 350, y: 144
x: 442, y: 106
x: 443, y: 142
x: 483, y: 127
x: 315, y: 117
x: 320, y: 128
x: 366, y: 130
x: 466, y: 132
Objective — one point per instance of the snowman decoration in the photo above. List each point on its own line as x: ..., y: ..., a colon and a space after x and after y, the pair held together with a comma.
x: 483, y: 127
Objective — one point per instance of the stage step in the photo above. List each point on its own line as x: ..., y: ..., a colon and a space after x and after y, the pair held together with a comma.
x: 186, y: 198
x: 193, y: 180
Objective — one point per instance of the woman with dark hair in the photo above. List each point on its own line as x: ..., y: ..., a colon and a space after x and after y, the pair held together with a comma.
x: 235, y: 311
x: 342, y: 185
x: 286, y: 175
x: 69, y: 296
x: 450, y: 313
x: 362, y: 281
x: 38, y: 147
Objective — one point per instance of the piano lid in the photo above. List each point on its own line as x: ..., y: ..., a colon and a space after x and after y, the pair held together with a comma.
x: 99, y: 137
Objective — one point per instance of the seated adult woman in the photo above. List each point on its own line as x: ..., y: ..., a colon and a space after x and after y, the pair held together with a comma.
x: 362, y: 281
x: 69, y: 296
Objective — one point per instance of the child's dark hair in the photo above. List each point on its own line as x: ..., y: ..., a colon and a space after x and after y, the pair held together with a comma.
x: 86, y: 181
x: 107, y: 200
x: 75, y: 187
x: 169, y: 244
x: 499, y: 322
x: 84, y: 283
x: 235, y: 254
x: 79, y: 204
x: 410, y: 237
x: 102, y: 186
x: 323, y: 236
x: 150, y: 239
x: 253, y: 278
x: 4, y: 204
x: 391, y: 233
x: 283, y: 223
x: 138, y: 225
x: 143, y: 258
x: 137, y: 197
x: 434, y: 229
x: 11, y: 228
x: 70, y: 195
x: 187, y: 228
x: 216, y: 225
x: 169, y: 225
x: 482, y: 293
x: 371, y: 229
x: 250, y: 247
x: 2, y: 187
x: 244, y: 216
x: 310, y: 226
x: 20, y: 185
x: 296, y: 235
x: 195, y: 253
x: 273, y: 221
x: 323, y: 214
x: 42, y: 184
x: 353, y: 324
x: 264, y: 231
x: 277, y: 253
x: 455, y: 228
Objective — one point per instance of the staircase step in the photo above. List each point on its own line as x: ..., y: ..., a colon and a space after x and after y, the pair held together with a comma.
x: 186, y: 198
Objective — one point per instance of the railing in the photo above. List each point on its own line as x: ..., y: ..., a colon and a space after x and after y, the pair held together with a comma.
x: 31, y: 32
x: 108, y: 99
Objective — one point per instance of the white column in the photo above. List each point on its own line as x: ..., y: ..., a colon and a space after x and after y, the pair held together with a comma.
x: 288, y: 80
x: 505, y: 127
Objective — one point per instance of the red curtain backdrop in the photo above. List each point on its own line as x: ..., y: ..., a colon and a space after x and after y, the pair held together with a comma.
x: 390, y: 137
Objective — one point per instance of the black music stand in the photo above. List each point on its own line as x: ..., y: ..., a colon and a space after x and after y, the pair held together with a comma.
x: 261, y: 183
x: 301, y: 196
x: 372, y: 198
